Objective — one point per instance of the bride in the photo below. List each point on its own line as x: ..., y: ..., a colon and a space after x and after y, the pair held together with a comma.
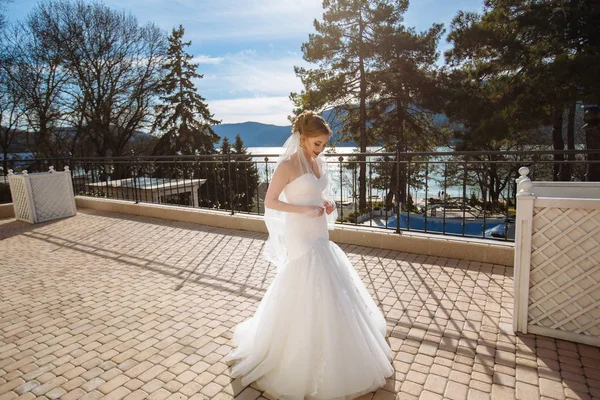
x: 317, y: 333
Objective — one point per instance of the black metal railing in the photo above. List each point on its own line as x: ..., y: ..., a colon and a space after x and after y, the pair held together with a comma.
x: 471, y: 194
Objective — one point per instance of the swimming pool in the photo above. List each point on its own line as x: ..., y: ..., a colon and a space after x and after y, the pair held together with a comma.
x: 494, y: 227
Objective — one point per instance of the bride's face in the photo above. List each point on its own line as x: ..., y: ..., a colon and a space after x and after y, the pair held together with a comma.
x: 313, y: 146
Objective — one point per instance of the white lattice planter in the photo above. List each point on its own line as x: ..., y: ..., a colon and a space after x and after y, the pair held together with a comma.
x: 557, y: 259
x: 42, y: 197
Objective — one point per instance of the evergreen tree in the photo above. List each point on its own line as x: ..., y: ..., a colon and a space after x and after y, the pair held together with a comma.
x: 184, y: 118
x: 344, y: 49
x: 519, y: 66
x: 407, y: 88
x: 238, y: 176
x: 185, y: 121
x: 406, y: 98
x: 225, y: 146
x: 224, y: 174
x: 246, y: 177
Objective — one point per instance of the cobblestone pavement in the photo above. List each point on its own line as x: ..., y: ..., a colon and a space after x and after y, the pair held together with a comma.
x: 114, y: 306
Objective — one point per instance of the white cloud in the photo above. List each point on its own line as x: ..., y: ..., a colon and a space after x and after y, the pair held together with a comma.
x: 251, y: 86
x: 249, y: 73
x: 268, y: 110
x: 203, y: 59
x: 211, y: 20
x: 214, y: 19
x: 260, y: 75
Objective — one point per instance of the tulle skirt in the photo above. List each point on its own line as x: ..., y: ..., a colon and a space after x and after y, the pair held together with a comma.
x: 317, y: 333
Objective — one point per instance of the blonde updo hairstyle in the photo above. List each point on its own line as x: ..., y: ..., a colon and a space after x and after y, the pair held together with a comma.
x: 310, y: 124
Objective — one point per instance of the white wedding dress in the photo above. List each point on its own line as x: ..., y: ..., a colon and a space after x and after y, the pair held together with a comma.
x: 317, y: 333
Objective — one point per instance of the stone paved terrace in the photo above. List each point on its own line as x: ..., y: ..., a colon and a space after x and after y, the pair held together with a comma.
x: 113, y: 306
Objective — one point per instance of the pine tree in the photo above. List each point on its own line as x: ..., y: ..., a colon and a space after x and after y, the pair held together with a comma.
x: 224, y: 174
x: 344, y: 49
x: 184, y: 118
x: 225, y: 146
x: 520, y: 65
x: 246, y: 177
x: 405, y: 101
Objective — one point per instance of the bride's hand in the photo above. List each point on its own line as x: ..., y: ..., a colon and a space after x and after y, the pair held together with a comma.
x: 313, y: 211
x: 329, y: 207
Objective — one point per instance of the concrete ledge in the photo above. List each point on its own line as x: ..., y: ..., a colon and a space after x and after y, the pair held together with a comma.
x: 7, y: 210
x: 184, y: 214
x: 500, y: 253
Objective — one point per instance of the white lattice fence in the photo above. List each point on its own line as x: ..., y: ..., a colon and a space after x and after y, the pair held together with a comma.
x: 19, y: 194
x: 557, y: 263
x: 42, y: 197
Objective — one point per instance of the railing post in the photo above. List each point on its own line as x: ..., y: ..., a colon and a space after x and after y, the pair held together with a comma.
x: 267, y: 169
x: 267, y: 178
x: 408, y: 207
x: 229, y: 183
x: 236, y: 175
x: 464, y: 195
x: 523, y: 230
x: 591, y: 118
x: 370, y: 204
x: 71, y: 172
x: 426, y: 193
x: 445, y: 189
x: 135, y: 196
x: 398, y: 191
x: 341, y: 159
x: 354, y: 196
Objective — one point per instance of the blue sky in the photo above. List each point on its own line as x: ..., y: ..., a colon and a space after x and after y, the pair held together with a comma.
x: 247, y: 49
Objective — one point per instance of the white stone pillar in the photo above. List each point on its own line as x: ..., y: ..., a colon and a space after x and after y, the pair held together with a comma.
x: 195, y: 195
x: 523, y: 232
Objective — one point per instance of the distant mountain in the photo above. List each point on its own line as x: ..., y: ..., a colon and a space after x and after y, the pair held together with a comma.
x: 256, y: 134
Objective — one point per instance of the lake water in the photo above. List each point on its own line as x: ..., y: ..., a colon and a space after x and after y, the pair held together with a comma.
x: 474, y: 227
x: 343, y: 190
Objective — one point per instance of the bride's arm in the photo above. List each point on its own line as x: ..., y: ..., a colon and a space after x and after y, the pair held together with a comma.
x: 281, y: 178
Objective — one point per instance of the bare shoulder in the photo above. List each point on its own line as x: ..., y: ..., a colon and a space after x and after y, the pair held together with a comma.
x: 285, y: 165
x: 284, y: 168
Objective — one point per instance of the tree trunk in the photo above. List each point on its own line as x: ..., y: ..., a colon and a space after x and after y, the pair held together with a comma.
x: 5, y: 164
x: 398, y: 184
x: 592, y: 142
x: 570, y: 140
x: 558, y: 143
x: 401, y: 143
x: 362, y: 178
x: 392, y: 192
x: 493, y: 187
